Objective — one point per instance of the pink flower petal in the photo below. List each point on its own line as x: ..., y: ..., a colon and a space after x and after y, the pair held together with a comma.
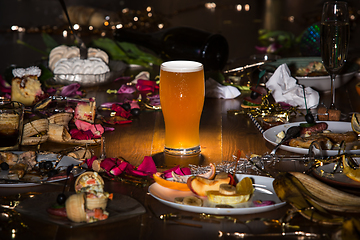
x: 146, y: 85
x: 147, y: 166
x: 120, y: 111
x: 120, y: 168
x: 90, y: 161
x: 96, y: 129
x: 70, y: 90
x: 126, y: 89
x: 183, y: 171
x: 81, y: 135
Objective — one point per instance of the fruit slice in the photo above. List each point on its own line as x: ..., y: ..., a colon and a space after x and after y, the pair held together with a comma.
x: 227, y: 189
x: 218, y: 198
x: 170, y: 184
x: 200, y: 185
x: 192, y: 201
x: 209, y: 174
x: 351, y: 169
x: 179, y: 200
x: 245, y: 186
x: 180, y: 178
x: 355, y: 125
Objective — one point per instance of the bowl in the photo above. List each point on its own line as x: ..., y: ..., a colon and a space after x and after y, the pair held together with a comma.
x: 89, y: 80
x: 319, y: 83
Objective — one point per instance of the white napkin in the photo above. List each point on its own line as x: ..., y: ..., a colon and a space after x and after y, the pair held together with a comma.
x: 285, y: 89
x: 213, y: 89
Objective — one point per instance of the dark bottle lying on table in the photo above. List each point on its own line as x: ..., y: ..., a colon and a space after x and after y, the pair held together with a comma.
x: 181, y: 43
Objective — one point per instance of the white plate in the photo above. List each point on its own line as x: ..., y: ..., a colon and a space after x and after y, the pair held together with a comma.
x: 320, y: 83
x: 31, y: 181
x: 336, y: 127
x: 263, y: 191
x: 325, y: 173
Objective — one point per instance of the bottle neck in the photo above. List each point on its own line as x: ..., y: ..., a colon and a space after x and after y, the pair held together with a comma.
x: 182, y: 43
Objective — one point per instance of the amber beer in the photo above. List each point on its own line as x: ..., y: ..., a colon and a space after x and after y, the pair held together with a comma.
x: 182, y: 93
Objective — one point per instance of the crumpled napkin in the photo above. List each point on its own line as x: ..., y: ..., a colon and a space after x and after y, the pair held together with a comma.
x: 285, y: 89
x: 213, y: 89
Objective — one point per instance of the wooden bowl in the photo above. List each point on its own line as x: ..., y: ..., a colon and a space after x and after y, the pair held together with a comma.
x: 81, y: 182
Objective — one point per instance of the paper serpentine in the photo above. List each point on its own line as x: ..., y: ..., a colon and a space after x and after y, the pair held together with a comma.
x: 257, y: 124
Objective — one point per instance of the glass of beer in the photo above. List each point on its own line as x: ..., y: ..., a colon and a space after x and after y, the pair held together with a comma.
x: 182, y: 93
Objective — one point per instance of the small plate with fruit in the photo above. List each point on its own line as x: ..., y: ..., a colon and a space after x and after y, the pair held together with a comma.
x: 247, y: 194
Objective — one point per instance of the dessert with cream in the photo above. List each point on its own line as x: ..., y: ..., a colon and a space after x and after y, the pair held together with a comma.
x: 64, y: 52
x: 25, y: 86
x: 81, y: 66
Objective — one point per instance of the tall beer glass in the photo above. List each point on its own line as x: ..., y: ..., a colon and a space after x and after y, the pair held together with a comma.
x: 182, y: 93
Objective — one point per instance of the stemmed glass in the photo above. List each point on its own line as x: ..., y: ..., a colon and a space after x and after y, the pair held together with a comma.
x: 335, y: 34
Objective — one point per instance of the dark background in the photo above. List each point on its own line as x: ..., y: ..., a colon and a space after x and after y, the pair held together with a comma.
x: 239, y: 27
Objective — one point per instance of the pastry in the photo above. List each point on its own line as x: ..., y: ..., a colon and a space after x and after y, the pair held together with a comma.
x: 25, y: 86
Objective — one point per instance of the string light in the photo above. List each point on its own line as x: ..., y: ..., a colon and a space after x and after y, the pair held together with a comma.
x: 210, y: 5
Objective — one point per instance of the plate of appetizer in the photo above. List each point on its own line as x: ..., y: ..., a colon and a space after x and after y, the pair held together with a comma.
x: 310, y: 72
x: 226, y: 200
x: 25, y: 169
x: 89, y: 204
x: 328, y: 133
x: 341, y: 176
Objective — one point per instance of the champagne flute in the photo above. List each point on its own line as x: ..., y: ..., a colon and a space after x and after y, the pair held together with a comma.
x: 335, y: 34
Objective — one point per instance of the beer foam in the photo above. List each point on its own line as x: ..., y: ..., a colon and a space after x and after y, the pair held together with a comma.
x: 181, y: 66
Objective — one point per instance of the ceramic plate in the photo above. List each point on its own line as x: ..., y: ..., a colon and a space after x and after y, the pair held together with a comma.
x: 120, y: 207
x: 320, y: 83
x: 32, y: 179
x: 325, y: 173
x: 336, y: 127
x: 263, y: 191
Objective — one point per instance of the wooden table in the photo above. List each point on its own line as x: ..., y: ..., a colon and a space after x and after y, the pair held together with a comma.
x: 221, y: 135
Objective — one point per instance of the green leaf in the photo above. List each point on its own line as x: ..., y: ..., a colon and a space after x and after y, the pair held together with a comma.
x: 45, y: 73
x: 49, y: 42
x: 127, y: 52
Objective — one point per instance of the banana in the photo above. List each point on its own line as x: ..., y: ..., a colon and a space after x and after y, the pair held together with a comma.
x: 217, y: 197
x: 179, y: 200
x: 355, y: 125
x: 227, y: 189
x: 287, y: 191
x: 332, y: 207
x: 192, y: 201
x: 325, y: 192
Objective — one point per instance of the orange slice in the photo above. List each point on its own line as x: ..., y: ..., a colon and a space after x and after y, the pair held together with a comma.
x: 349, y: 171
x: 170, y: 184
x: 245, y: 186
